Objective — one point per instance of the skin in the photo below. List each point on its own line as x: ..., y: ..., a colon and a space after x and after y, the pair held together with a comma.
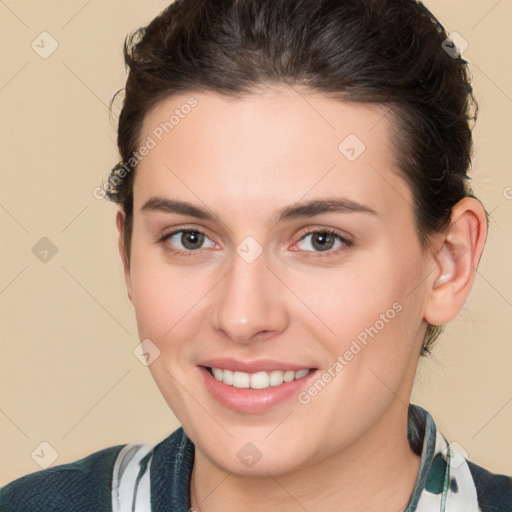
x: 244, y: 160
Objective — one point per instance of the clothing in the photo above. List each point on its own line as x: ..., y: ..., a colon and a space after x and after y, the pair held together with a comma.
x: 155, y: 478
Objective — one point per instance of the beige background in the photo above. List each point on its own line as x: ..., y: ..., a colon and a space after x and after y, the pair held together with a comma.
x: 68, y: 374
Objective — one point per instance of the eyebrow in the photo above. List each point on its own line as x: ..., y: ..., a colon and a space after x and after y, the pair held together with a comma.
x: 307, y: 209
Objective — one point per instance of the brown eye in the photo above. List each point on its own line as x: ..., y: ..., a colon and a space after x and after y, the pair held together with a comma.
x: 322, y: 241
x: 185, y: 240
x: 191, y: 239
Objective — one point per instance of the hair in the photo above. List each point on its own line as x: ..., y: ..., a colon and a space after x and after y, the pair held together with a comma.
x: 385, y: 52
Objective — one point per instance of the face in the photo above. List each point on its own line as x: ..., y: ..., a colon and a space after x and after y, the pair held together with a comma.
x: 231, y: 270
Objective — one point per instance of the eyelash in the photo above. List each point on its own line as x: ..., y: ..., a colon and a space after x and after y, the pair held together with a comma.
x: 309, y: 254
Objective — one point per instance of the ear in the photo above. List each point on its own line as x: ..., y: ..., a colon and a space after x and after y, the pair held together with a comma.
x: 456, y: 258
x: 120, y: 221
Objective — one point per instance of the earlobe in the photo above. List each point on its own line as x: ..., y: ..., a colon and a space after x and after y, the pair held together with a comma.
x: 456, y: 260
x: 120, y: 221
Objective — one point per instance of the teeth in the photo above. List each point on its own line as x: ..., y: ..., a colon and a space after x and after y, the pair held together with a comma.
x: 226, y: 376
x: 276, y: 378
x: 217, y: 373
x: 301, y: 373
x: 288, y: 376
x: 259, y: 380
x: 240, y: 379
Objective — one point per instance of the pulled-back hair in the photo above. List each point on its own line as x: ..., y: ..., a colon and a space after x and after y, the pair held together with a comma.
x: 387, y: 52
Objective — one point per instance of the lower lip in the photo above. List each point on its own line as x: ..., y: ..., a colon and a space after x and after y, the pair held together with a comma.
x: 252, y: 400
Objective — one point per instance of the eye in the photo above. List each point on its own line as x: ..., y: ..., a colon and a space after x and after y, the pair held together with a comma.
x: 187, y: 241
x: 323, y: 240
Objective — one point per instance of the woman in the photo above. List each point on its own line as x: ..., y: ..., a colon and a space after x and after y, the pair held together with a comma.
x: 295, y: 226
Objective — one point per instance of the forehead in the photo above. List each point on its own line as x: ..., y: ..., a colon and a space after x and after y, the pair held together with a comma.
x: 272, y: 147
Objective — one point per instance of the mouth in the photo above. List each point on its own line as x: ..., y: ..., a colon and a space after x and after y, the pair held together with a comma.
x: 254, y: 387
x: 257, y: 380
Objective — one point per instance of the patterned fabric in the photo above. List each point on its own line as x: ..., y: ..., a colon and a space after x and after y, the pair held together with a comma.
x: 156, y: 478
x: 444, y: 481
x: 131, y: 488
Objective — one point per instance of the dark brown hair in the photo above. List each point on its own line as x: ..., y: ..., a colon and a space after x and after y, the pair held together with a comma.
x: 387, y: 52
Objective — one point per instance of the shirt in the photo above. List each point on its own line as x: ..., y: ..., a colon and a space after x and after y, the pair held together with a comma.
x: 139, y: 477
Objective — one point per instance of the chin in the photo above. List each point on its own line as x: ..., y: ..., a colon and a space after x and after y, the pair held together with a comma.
x: 254, y: 458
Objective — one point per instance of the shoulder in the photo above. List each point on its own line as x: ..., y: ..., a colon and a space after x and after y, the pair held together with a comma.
x: 82, y: 485
x: 494, y: 491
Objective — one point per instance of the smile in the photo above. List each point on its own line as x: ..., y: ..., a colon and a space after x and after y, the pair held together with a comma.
x: 258, y: 380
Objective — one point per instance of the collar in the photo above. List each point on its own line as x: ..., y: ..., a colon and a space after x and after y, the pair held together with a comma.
x: 157, y: 477
x: 444, y: 481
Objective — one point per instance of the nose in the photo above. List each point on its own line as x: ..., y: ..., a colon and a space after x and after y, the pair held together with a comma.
x: 251, y: 302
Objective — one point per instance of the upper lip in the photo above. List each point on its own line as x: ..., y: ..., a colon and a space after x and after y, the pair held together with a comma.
x: 259, y: 365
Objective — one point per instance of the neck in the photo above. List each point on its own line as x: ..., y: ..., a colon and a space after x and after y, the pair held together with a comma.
x: 379, y: 468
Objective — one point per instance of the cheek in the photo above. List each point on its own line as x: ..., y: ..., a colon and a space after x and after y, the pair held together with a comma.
x: 354, y: 297
x: 368, y: 314
x: 167, y: 305
x: 372, y: 353
x: 165, y: 297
